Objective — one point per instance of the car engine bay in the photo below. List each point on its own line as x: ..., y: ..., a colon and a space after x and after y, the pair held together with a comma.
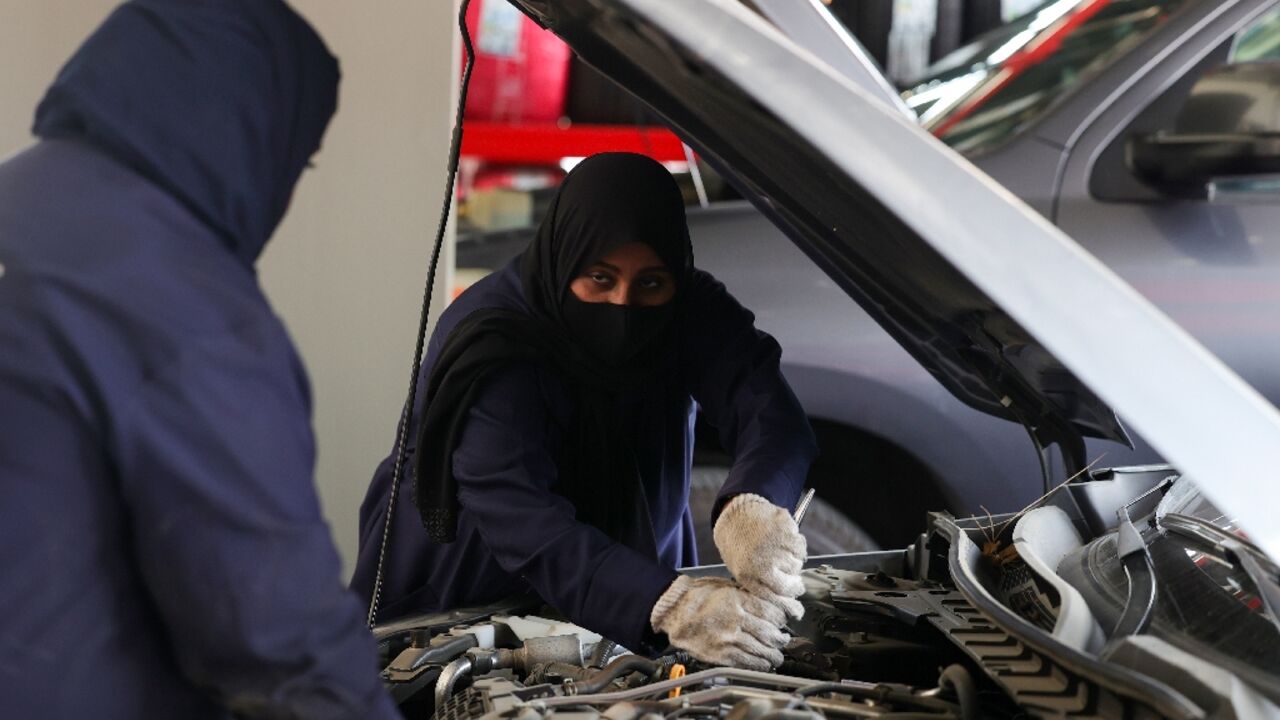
x: 973, y: 620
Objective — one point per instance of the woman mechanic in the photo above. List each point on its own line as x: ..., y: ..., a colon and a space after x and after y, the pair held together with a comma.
x: 555, y: 441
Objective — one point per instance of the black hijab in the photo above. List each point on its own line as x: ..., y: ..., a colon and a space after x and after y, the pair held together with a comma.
x: 599, y: 351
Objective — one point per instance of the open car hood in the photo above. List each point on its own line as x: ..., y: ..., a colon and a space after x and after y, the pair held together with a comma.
x: 951, y: 326
x: 1008, y: 313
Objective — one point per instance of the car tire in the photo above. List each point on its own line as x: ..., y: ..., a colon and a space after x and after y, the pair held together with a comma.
x: 879, y: 486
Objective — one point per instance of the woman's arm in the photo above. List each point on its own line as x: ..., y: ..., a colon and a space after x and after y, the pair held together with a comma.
x: 734, y: 375
x: 505, y: 467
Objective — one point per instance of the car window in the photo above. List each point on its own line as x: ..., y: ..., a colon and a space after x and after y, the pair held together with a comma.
x: 1113, y: 179
x: 985, y: 93
x: 1260, y: 41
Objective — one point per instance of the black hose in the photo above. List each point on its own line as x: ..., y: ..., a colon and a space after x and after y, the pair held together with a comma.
x: 601, y: 652
x: 402, y: 430
x: 957, y: 679
x: 620, y: 667
x: 447, y: 649
x: 1035, y: 441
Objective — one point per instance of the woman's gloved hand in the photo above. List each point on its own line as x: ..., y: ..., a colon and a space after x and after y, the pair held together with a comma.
x: 718, y: 622
x: 763, y: 548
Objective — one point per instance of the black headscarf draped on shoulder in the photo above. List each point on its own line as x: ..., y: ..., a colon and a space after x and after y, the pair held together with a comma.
x: 606, y: 201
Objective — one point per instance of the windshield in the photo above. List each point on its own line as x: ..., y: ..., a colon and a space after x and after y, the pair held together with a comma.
x: 982, y: 94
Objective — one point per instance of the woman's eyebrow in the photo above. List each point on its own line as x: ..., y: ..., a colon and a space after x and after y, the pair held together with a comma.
x: 606, y: 266
x: 657, y: 269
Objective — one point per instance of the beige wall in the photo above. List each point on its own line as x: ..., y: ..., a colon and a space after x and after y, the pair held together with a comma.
x: 35, y: 39
x: 345, y: 270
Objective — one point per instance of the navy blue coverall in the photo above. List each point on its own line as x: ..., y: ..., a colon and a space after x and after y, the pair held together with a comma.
x: 516, y: 534
x: 162, y: 549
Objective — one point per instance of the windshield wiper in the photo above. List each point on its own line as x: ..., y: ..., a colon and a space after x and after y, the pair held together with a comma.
x: 1243, y: 553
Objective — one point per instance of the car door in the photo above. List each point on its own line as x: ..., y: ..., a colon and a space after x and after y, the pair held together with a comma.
x: 1210, y: 259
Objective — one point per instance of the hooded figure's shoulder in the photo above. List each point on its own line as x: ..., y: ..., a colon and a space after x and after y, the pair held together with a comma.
x: 75, y: 221
x: 108, y: 280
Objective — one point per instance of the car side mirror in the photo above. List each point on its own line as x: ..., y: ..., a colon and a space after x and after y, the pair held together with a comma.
x: 1229, y: 127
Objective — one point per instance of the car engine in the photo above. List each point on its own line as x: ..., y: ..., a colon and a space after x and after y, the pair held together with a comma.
x: 865, y: 625
x: 971, y: 621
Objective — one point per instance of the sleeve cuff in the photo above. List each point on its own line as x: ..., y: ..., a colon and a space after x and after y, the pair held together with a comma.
x: 668, y: 600
x: 737, y: 504
x: 624, y: 591
x: 781, y: 490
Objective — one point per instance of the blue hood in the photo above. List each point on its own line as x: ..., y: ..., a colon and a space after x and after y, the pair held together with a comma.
x: 221, y: 103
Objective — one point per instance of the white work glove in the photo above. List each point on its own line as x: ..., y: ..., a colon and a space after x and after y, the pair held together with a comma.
x: 719, y: 623
x: 762, y: 546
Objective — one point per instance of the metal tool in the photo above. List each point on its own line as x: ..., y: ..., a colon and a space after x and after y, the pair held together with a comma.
x: 803, y: 506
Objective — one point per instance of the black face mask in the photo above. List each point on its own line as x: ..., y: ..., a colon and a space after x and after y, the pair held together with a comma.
x: 614, y: 334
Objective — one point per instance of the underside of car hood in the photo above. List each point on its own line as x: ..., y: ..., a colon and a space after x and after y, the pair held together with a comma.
x: 960, y: 335
x: 1010, y: 314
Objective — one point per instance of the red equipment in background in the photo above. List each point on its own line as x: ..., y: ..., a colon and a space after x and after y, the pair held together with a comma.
x: 517, y: 98
x: 547, y: 144
x: 521, y: 71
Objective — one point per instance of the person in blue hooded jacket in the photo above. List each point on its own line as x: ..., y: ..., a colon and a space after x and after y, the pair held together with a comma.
x: 162, y: 549
x: 554, y: 437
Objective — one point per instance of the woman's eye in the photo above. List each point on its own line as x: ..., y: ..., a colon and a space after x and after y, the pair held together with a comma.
x: 600, y: 278
x: 652, y: 283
